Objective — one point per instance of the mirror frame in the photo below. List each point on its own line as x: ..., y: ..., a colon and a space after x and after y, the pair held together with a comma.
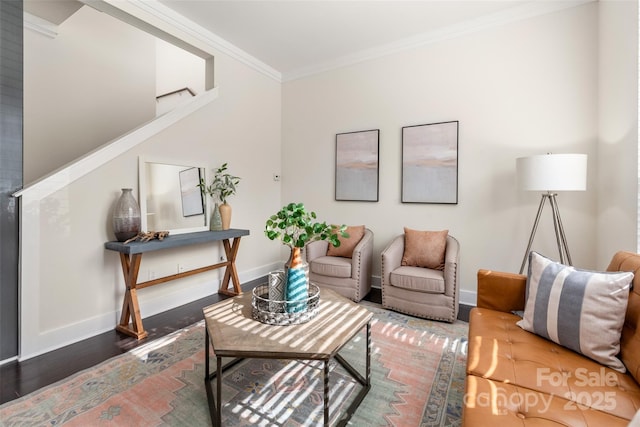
x: 142, y: 193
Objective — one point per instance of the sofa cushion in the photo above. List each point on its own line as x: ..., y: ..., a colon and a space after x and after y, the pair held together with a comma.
x: 581, y: 310
x: 331, y: 266
x: 347, y: 244
x: 520, y: 362
x: 418, y: 279
x: 491, y: 403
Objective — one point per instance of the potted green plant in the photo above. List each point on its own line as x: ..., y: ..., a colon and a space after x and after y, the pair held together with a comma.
x: 222, y: 186
x: 295, y: 227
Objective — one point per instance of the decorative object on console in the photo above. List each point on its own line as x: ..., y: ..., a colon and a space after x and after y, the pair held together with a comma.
x: 149, y: 235
x: 222, y: 186
x: 357, y: 165
x: 215, y: 223
x: 295, y: 227
x: 550, y: 173
x: 430, y: 163
x: 126, y: 216
x: 225, y: 215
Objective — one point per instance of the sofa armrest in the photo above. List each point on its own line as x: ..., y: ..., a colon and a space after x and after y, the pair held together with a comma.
x: 501, y: 291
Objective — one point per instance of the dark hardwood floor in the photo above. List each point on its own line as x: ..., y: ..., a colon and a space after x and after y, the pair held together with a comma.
x: 20, y: 378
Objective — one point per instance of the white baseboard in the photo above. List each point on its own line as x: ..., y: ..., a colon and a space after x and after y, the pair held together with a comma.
x: 468, y: 297
x: 5, y: 361
x: 376, y: 282
x: 189, y: 290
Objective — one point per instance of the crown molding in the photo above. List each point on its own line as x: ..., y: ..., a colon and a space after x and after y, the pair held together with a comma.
x: 154, y: 13
x: 39, y: 25
x: 514, y: 14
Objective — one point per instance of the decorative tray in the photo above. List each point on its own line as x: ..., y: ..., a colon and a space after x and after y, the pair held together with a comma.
x: 275, y: 312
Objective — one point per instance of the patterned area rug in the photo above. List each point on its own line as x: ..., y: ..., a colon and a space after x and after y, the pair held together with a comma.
x: 418, y: 370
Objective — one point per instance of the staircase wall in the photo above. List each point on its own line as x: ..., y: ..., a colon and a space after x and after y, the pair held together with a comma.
x: 91, y: 83
x: 71, y: 287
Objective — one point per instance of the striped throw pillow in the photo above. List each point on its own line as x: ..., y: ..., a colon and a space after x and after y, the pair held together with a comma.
x: 578, y: 309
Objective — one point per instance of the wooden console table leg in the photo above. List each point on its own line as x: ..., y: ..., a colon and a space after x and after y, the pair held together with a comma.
x: 130, y: 306
x: 230, y: 272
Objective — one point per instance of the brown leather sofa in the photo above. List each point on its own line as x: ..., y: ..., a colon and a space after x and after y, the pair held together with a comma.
x: 516, y: 378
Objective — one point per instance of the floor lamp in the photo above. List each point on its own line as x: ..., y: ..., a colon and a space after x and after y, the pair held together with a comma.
x: 550, y: 173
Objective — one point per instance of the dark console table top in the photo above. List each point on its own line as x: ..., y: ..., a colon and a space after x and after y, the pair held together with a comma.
x: 175, y: 241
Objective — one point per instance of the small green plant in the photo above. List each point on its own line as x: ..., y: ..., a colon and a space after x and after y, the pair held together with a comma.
x: 296, y: 227
x: 222, y: 185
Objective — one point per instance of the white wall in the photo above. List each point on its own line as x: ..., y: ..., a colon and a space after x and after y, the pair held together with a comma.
x: 176, y: 68
x: 90, y: 84
x: 74, y: 287
x: 524, y: 88
x: 617, y: 129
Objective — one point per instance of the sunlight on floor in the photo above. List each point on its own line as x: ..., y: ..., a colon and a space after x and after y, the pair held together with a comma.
x: 143, y: 351
x: 293, y: 384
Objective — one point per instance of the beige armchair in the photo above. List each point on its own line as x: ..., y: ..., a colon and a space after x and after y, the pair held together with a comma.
x: 419, y: 291
x: 349, y: 277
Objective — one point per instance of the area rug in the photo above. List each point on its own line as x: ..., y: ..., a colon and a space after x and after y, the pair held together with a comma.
x: 417, y: 376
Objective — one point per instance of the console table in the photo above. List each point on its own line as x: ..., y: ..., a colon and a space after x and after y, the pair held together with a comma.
x: 131, y: 256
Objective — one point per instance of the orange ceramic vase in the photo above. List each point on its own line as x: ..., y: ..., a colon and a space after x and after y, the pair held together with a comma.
x: 297, y: 285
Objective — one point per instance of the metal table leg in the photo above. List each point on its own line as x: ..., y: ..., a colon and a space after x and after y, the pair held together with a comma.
x: 364, y: 381
x: 215, y: 402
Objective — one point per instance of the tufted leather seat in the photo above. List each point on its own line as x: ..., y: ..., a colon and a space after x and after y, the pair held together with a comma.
x: 517, y: 378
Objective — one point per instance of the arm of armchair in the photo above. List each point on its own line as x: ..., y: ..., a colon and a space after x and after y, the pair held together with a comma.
x: 361, y: 256
x: 501, y: 291
x: 451, y: 257
x: 316, y: 249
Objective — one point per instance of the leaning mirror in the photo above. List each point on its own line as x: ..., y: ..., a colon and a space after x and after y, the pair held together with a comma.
x: 170, y: 198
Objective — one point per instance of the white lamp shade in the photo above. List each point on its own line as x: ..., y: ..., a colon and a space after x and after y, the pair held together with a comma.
x: 552, y: 172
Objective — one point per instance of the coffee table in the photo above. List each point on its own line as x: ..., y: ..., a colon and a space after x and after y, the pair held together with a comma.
x: 233, y: 333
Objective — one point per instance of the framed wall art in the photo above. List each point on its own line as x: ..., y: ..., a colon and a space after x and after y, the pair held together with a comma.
x: 430, y: 163
x: 357, y: 165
